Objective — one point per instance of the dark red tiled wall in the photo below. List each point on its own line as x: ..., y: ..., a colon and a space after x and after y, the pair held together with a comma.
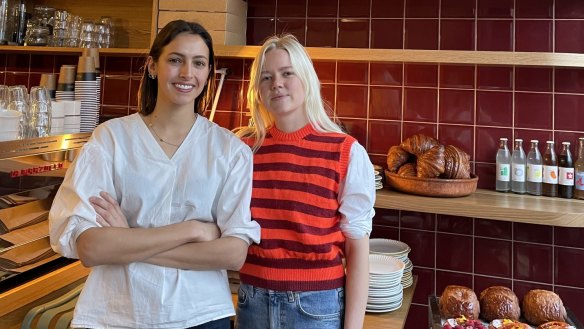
x: 466, y: 105
x: 382, y: 103
x: 506, y: 25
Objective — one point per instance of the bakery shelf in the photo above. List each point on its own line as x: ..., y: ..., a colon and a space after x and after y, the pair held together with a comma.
x: 360, y: 55
x: 72, y: 51
x: 491, y: 205
x: 32, y: 291
x: 423, y: 56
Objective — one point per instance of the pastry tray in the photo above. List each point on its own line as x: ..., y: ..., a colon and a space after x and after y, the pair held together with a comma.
x: 436, y: 321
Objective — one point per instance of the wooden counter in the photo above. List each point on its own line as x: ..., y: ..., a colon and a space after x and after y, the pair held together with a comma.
x: 491, y: 205
x: 390, y: 320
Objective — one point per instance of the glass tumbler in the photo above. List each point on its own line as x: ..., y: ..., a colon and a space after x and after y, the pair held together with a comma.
x: 3, y: 97
x: 40, y: 112
x: 18, y: 101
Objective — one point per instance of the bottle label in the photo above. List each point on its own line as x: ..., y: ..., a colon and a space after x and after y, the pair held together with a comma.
x: 534, y: 173
x: 518, y: 172
x: 579, y: 183
x: 503, y: 172
x: 566, y: 176
x: 550, y: 174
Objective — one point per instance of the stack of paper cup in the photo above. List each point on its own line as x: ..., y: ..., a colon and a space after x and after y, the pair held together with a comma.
x: 72, y: 110
x: 49, y: 81
x: 86, y: 91
x: 58, y: 118
x: 94, y: 53
x: 66, y: 85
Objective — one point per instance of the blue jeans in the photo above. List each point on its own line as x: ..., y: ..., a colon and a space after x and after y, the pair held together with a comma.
x: 224, y: 323
x: 259, y: 308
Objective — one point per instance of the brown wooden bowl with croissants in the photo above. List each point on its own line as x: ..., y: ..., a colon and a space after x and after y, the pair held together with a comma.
x: 437, y: 187
x: 421, y: 165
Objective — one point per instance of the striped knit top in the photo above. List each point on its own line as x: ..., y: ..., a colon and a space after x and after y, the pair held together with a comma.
x: 295, y: 200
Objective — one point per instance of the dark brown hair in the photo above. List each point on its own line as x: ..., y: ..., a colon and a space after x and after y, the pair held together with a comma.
x: 148, y: 91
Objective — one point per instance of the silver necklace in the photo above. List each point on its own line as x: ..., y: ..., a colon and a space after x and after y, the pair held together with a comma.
x: 151, y: 126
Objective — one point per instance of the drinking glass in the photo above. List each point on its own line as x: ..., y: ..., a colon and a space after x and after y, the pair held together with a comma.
x: 18, y: 101
x: 3, y: 97
x: 40, y: 112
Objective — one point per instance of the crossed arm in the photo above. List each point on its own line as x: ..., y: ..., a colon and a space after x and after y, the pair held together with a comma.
x: 186, y: 245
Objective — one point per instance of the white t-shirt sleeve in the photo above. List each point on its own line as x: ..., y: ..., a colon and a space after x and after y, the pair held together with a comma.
x: 233, y: 209
x: 71, y: 213
x: 357, y: 195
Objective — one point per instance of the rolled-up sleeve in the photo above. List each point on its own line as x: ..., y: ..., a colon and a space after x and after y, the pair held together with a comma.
x: 233, y: 209
x: 71, y: 213
x: 357, y: 195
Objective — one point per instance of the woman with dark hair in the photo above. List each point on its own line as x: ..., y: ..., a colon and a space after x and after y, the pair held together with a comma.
x: 173, y: 209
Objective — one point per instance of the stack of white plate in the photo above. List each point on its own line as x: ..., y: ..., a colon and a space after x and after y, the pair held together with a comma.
x: 385, y: 288
x: 398, y: 250
x: 378, y: 171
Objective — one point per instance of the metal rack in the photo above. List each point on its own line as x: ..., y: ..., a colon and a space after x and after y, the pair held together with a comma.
x: 32, y: 170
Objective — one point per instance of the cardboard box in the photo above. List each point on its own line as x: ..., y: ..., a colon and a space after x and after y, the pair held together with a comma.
x: 211, y: 21
x: 228, y: 38
x: 235, y: 7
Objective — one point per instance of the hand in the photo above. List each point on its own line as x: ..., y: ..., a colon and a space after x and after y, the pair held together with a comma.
x: 204, y: 231
x: 109, y: 213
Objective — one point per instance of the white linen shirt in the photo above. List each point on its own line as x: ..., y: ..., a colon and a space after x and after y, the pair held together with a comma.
x: 357, y: 195
x: 208, y: 178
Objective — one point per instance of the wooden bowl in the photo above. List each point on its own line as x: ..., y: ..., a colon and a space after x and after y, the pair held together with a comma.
x: 436, y: 187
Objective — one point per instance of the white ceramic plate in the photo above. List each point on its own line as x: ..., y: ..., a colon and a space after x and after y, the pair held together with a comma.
x: 383, y: 264
x: 388, y: 247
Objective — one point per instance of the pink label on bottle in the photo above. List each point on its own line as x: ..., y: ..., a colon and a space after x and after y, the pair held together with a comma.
x: 566, y: 176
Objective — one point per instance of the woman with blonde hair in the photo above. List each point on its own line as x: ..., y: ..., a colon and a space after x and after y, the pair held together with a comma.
x: 313, y: 195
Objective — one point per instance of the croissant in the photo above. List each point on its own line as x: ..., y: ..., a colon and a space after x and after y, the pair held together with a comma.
x: 418, y: 144
x: 431, y: 163
x: 396, y: 157
x: 408, y: 169
x: 456, y: 163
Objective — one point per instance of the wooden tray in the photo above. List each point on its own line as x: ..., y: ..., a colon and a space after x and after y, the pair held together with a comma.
x: 435, y: 187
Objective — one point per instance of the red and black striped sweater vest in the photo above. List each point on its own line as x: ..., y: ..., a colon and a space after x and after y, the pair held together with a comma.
x: 295, y: 200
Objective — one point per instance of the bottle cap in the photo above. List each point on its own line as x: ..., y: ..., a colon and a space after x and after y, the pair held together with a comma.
x: 534, y: 141
x: 518, y: 140
x: 565, y: 143
x: 505, y: 138
x: 550, y: 142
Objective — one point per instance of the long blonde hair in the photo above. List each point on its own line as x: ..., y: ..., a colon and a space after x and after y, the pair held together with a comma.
x: 316, y: 110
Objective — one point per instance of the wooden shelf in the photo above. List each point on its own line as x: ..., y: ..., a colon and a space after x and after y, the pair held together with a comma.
x: 72, y: 51
x: 423, y: 56
x: 491, y: 205
x: 450, y: 57
x: 360, y: 55
x: 44, y: 285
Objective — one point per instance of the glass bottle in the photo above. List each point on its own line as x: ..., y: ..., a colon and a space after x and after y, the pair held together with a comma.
x: 550, y: 171
x: 579, y: 171
x: 566, y: 173
x: 503, y: 183
x: 534, y: 169
x: 518, y: 167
